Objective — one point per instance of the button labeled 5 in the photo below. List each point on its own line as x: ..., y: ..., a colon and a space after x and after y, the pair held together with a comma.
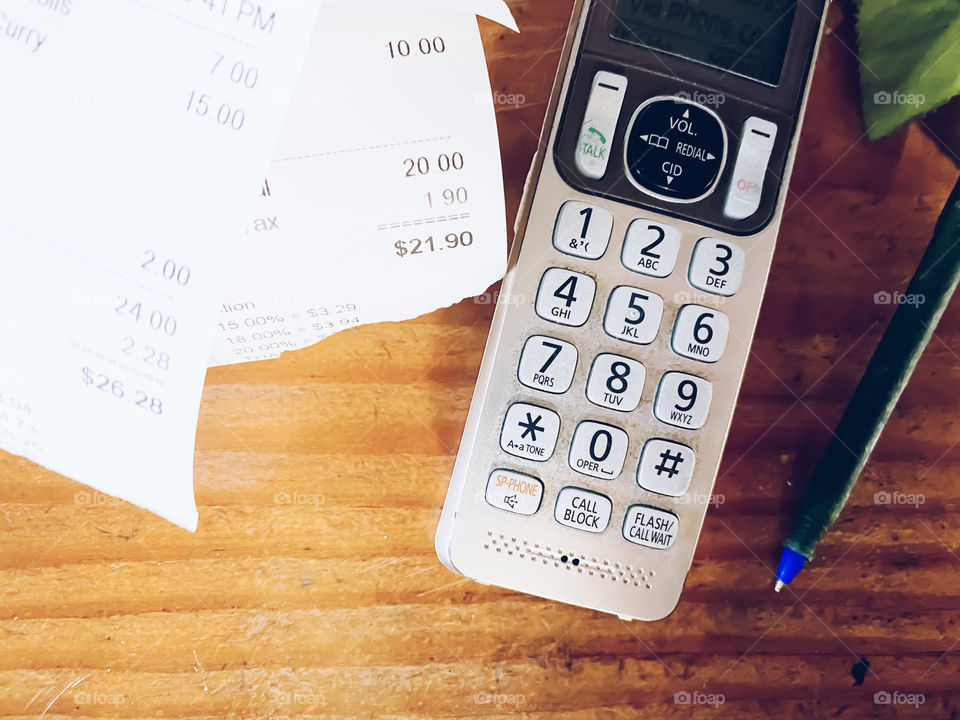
x: 633, y: 315
x: 717, y: 266
x: 650, y: 248
x: 547, y: 364
x: 582, y: 230
x: 683, y: 400
x: 565, y: 297
x: 700, y: 333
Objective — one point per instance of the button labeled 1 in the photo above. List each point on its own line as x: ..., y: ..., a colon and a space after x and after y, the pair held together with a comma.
x: 615, y: 382
x: 717, y: 266
x: 530, y: 431
x: 582, y: 509
x: 547, y: 364
x: 582, y: 230
x: 565, y: 297
x: 633, y: 315
x: 665, y: 467
x: 598, y: 450
x: 514, y: 492
x: 650, y: 248
x: 700, y: 333
x: 683, y: 400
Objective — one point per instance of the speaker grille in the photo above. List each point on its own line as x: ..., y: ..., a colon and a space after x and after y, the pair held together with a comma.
x: 521, y: 549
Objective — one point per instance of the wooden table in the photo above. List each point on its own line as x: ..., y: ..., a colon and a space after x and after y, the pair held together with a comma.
x: 311, y: 586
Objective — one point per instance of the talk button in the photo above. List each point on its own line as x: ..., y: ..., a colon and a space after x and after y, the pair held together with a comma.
x: 675, y: 149
x: 582, y: 509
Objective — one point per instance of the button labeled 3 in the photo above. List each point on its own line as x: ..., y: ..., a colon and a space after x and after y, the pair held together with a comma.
x: 717, y: 266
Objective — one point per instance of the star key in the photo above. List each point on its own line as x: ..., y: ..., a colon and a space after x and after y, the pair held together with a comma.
x: 531, y: 427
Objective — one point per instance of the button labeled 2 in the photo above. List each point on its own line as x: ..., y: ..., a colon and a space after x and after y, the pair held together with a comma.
x: 547, y: 364
x: 683, y: 400
x: 598, y: 450
x: 650, y: 248
x: 565, y: 297
x: 700, y: 333
x: 633, y: 315
x: 582, y: 230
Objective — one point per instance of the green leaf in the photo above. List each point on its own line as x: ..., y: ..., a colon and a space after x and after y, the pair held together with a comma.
x: 910, y: 59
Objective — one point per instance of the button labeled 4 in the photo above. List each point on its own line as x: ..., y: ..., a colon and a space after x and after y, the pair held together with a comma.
x: 565, y: 297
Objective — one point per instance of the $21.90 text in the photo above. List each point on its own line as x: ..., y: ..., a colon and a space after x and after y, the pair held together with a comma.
x: 416, y: 246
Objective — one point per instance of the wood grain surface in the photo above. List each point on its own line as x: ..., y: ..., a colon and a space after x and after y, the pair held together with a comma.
x: 311, y: 586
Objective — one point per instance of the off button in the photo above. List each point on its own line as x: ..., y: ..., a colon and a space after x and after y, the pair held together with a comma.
x: 675, y: 149
x: 582, y: 509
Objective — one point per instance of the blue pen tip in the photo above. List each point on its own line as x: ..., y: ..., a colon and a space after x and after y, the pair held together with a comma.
x: 790, y: 564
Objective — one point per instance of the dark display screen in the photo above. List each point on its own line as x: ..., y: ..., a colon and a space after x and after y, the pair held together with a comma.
x: 745, y: 37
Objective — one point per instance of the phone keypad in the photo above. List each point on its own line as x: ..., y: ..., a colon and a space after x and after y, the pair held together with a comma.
x: 615, y: 382
x: 565, y: 297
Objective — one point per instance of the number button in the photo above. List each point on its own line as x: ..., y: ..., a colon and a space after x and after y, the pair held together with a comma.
x: 683, y: 400
x: 717, y: 266
x: 633, y: 315
x: 547, y: 364
x: 598, y: 449
x: 665, y: 467
x: 530, y: 432
x: 582, y: 230
x: 700, y: 333
x: 615, y: 382
x: 650, y: 248
x: 565, y: 297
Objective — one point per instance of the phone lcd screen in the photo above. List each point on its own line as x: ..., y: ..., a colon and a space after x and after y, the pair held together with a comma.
x: 744, y: 37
